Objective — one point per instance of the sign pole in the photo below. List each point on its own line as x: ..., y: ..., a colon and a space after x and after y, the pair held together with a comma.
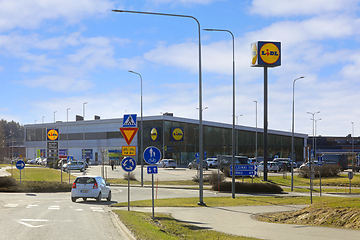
x: 20, y: 175
x: 128, y: 191
x: 153, y: 209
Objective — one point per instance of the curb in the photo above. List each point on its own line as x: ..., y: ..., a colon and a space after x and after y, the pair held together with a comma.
x: 125, y: 232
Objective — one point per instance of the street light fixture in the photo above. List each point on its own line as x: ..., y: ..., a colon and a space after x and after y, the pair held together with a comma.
x: 201, y: 147
x: 312, y: 159
x: 233, y: 127
x: 292, y: 136
x: 141, y: 137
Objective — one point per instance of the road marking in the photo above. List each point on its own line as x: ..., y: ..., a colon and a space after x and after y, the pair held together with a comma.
x: 11, y: 205
x: 97, y: 209
x: 79, y: 210
x: 30, y: 206
x: 24, y: 222
x: 54, y: 208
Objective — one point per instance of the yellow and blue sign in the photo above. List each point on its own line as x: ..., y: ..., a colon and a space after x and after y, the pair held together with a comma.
x: 265, y: 54
x: 154, y: 134
x: 52, y: 134
x: 177, y: 134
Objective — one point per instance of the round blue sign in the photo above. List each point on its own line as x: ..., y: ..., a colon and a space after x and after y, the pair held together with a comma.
x: 20, y: 164
x: 128, y: 164
x: 152, y: 155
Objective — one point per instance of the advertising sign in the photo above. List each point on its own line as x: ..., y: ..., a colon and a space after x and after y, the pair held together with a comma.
x: 177, y: 134
x: 265, y: 54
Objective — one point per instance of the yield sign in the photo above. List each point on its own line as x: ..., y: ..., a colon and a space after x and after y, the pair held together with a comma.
x: 128, y: 133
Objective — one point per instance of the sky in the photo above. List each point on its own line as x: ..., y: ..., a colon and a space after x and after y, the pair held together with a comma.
x: 56, y: 55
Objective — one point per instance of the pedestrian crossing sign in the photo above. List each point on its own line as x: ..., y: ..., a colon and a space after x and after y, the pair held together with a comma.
x: 129, y: 120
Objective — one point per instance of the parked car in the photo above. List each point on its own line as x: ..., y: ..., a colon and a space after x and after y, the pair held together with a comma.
x: 226, y: 161
x: 74, y: 165
x: 31, y: 161
x: 212, y: 162
x: 195, y: 164
x: 90, y: 187
x: 63, y: 161
x: 167, y: 163
x: 307, y: 164
x: 271, y: 166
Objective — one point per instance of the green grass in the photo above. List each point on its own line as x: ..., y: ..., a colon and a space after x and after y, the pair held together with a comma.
x: 40, y: 174
x: 221, y: 201
x: 165, y: 227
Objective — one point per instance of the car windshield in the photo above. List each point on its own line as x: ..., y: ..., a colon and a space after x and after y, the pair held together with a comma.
x: 85, y: 180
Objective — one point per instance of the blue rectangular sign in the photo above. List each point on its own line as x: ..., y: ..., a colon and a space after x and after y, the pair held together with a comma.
x: 244, y: 170
x: 152, y: 169
x: 129, y: 120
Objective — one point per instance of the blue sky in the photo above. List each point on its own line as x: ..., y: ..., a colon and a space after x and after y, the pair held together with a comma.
x: 56, y: 55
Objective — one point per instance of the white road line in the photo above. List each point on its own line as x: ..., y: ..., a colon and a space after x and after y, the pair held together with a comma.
x: 24, y: 222
x: 54, y: 208
x: 30, y: 206
x: 79, y: 210
x: 97, y: 209
x: 11, y: 205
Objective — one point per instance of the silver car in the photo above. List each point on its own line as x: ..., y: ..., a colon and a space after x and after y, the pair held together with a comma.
x: 167, y: 163
x: 90, y: 187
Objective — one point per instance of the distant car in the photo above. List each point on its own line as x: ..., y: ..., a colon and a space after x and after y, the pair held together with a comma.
x: 62, y: 161
x: 271, y: 167
x: 212, y: 162
x: 90, y: 187
x: 31, y: 161
x: 306, y: 165
x: 74, y: 165
x: 167, y: 163
x: 195, y: 164
x: 226, y: 161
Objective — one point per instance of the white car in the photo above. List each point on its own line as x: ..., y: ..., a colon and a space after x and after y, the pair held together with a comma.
x: 212, y: 162
x: 271, y: 166
x: 74, y: 165
x: 167, y: 163
x: 90, y: 187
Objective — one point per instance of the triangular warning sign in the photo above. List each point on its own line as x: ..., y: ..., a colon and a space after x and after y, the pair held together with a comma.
x: 128, y: 133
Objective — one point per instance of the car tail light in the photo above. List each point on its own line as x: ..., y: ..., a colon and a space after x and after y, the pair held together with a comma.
x: 74, y: 185
x: 95, y: 186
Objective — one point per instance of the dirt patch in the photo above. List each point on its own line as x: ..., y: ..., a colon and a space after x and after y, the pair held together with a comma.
x: 324, y: 217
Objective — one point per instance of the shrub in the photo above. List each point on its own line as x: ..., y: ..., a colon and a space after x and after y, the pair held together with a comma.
x: 131, y: 175
x: 249, y: 187
x: 226, y: 171
x: 50, y: 164
x: 7, y: 182
x: 327, y: 170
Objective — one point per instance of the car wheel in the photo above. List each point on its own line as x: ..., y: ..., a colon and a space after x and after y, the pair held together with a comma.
x: 84, y: 198
x: 109, y: 197
x: 73, y: 199
x: 98, y: 199
x: 207, y: 168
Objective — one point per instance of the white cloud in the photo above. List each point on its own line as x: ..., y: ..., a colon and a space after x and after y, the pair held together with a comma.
x: 184, y: 2
x: 283, y: 8
x: 29, y: 14
x: 60, y: 83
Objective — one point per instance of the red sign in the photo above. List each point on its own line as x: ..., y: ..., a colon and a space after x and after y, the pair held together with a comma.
x: 128, y: 133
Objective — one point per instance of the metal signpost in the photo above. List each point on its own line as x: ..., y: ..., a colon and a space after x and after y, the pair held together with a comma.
x: 69, y: 161
x: 128, y: 164
x: 350, y: 176
x: 152, y: 155
x: 320, y: 164
x: 20, y: 165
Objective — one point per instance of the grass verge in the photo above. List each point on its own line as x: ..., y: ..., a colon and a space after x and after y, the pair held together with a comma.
x: 165, y: 227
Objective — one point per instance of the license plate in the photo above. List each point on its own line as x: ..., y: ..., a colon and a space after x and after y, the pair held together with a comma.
x: 84, y: 191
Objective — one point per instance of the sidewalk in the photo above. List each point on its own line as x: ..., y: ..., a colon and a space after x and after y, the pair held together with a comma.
x: 239, y: 221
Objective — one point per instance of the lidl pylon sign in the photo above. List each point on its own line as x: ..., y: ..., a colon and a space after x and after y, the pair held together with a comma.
x: 265, y: 54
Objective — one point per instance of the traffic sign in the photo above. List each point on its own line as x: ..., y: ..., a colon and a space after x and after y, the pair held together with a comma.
x: 152, y: 155
x: 129, y: 120
x: 128, y: 150
x: 70, y: 158
x: 128, y: 133
x: 197, y: 156
x: 152, y: 169
x: 320, y: 161
x: 20, y: 164
x: 128, y: 164
x: 244, y: 170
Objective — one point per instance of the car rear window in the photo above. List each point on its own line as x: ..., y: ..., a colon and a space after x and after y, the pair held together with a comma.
x: 85, y: 180
x: 171, y: 161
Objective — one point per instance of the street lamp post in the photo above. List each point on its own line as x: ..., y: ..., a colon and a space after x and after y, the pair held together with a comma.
x: 312, y: 159
x: 83, y: 150
x: 292, y: 136
x: 67, y: 135
x: 256, y: 131
x: 316, y: 151
x: 352, y: 155
x: 201, y: 147
x: 233, y: 127
x: 142, y: 132
x: 237, y: 135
